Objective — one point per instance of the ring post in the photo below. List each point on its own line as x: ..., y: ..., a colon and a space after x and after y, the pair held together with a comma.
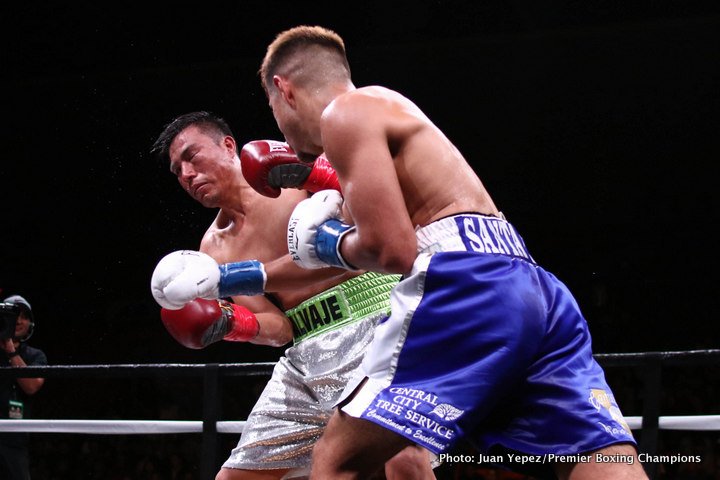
x: 211, y: 415
x: 652, y: 391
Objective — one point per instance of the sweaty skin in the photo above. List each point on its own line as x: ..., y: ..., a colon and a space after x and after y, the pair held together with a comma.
x: 248, y: 226
x: 388, y: 159
x: 430, y: 189
x: 397, y: 171
x: 252, y: 226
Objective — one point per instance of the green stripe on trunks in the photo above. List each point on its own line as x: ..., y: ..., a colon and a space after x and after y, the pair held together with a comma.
x: 354, y: 299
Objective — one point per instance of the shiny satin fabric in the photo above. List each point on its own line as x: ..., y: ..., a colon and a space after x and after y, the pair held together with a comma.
x: 297, y: 402
x: 484, y: 344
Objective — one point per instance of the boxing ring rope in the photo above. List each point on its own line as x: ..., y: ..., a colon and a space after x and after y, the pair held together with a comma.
x: 649, y: 423
x: 151, y: 427
x: 115, y: 427
x: 211, y: 374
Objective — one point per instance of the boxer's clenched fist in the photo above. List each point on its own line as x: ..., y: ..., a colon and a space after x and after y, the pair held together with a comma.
x: 269, y: 166
x: 185, y: 275
x: 202, y: 322
x: 315, y: 231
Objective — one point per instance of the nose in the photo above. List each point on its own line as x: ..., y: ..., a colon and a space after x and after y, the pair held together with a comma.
x: 187, y: 172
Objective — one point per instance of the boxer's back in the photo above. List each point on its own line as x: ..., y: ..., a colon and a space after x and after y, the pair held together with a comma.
x: 434, y: 177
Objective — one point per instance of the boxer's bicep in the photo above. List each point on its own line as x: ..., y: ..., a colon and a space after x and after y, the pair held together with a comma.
x: 356, y: 144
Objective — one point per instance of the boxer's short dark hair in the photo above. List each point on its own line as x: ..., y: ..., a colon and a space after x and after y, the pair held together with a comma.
x: 206, y: 121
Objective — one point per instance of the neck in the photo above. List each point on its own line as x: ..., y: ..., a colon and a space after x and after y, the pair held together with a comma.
x: 235, y: 187
x: 331, y: 92
x: 234, y: 204
x: 317, y: 102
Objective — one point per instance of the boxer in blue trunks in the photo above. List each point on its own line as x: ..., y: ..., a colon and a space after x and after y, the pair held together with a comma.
x: 482, y: 343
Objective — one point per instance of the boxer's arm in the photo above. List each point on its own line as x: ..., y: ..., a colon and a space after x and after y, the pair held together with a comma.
x: 203, y: 322
x: 284, y: 275
x: 281, y: 273
x: 185, y: 275
x: 275, y: 328
x: 315, y: 233
x: 384, y: 239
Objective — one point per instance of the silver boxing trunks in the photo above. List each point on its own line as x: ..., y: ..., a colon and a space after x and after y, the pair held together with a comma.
x: 332, y: 332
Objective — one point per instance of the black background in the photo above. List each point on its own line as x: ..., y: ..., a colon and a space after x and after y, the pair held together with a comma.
x: 593, y: 125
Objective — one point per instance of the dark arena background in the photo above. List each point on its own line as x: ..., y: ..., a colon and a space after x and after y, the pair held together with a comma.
x: 594, y: 125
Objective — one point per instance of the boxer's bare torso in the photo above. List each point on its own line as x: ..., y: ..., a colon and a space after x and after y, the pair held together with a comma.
x: 258, y: 232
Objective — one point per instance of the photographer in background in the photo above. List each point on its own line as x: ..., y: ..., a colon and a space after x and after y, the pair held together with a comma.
x: 16, y: 327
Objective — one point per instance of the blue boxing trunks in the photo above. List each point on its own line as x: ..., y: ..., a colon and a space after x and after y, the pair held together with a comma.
x: 485, y: 345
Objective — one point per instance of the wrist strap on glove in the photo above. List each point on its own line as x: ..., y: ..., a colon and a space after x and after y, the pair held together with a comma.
x: 242, y: 278
x: 243, y: 324
x: 321, y: 177
x: 328, y: 240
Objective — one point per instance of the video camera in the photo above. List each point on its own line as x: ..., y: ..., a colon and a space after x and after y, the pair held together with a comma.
x: 8, y: 318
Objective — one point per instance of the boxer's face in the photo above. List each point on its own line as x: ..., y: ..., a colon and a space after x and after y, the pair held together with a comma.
x: 293, y: 127
x: 201, y: 164
x: 284, y: 114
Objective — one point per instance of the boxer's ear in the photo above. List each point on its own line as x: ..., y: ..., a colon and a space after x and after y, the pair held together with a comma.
x: 286, y: 90
x: 230, y: 144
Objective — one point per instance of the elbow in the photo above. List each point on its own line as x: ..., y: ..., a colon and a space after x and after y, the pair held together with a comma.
x: 395, y: 256
x: 274, y: 333
x: 397, y: 262
x: 275, y: 330
x: 274, y: 340
x: 282, y: 339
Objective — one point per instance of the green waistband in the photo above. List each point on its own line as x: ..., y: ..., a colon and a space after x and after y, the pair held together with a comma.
x: 354, y: 299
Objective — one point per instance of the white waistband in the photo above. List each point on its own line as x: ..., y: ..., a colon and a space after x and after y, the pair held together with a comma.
x: 473, y: 233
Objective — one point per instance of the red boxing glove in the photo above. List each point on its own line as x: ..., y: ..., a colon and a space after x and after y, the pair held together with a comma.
x: 322, y: 176
x: 202, y: 322
x: 269, y: 166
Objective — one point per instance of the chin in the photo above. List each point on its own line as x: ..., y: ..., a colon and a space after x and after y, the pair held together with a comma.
x: 209, y: 203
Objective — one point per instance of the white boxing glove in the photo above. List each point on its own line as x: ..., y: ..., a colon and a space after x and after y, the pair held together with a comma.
x: 183, y: 276
x: 315, y: 231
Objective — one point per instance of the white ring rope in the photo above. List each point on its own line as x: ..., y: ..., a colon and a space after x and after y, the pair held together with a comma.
x: 115, y: 427
x: 681, y: 422
x: 120, y: 427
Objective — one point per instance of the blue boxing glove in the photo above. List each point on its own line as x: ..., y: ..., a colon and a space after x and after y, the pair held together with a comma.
x: 182, y: 276
x: 315, y: 232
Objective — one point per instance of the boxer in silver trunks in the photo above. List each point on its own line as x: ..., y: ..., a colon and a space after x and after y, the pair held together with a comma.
x: 330, y: 315
x: 296, y: 404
